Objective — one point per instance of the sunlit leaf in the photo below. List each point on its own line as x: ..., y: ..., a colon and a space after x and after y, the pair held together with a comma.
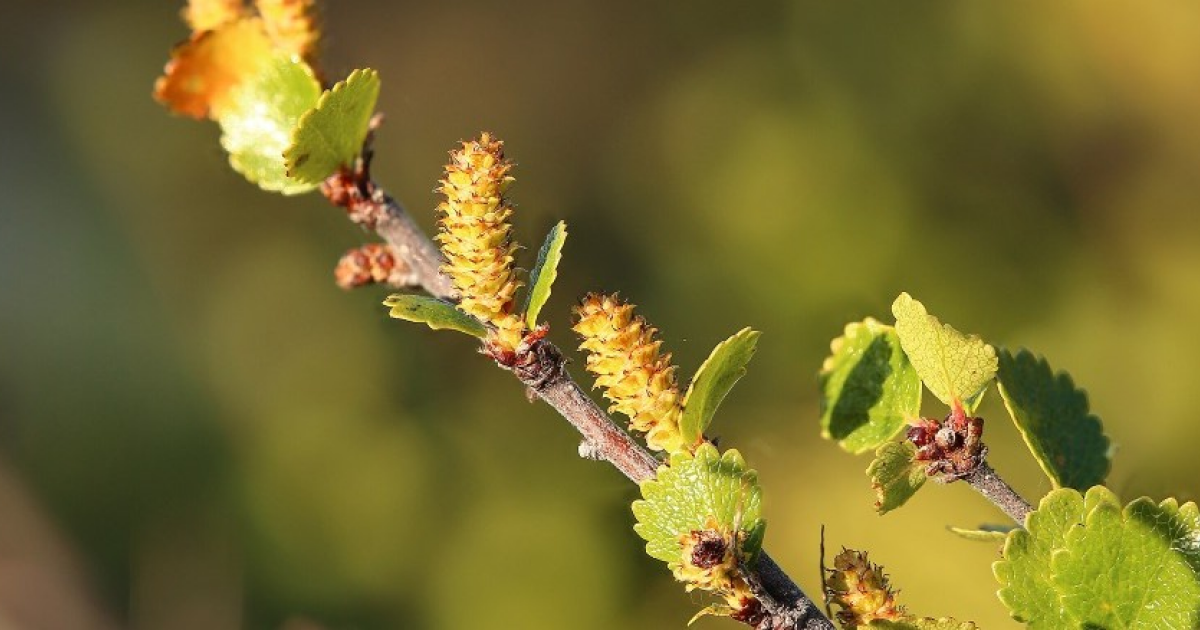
x: 922, y: 623
x: 1135, y: 568
x: 203, y: 71
x: 434, y: 313
x: 683, y: 497
x: 723, y: 368
x: 869, y: 389
x: 989, y: 535
x: 541, y: 280
x: 1024, y: 573
x: 955, y: 367
x: 895, y: 475
x: 1053, y: 418
x: 331, y: 134
x: 258, y: 123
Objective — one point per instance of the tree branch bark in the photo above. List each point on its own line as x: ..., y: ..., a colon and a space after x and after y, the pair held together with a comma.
x: 543, y: 370
x: 986, y: 482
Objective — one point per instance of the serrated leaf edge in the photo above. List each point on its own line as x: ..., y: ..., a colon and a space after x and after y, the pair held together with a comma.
x: 1056, y: 376
x: 457, y: 320
x: 289, y: 163
x: 545, y: 272
x: 693, y: 422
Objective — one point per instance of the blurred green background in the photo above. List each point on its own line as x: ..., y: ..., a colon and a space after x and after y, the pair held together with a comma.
x: 198, y: 430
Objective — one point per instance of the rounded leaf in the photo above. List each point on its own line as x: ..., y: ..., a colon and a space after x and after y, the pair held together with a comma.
x: 955, y: 367
x: 895, y: 475
x: 723, y: 368
x: 257, y: 124
x: 694, y: 488
x: 331, y: 134
x: 1052, y: 415
x: 869, y: 389
x: 201, y: 76
x: 1135, y: 568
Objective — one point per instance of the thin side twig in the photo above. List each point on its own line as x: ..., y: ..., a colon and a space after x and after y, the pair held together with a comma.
x: 544, y: 372
x: 985, y: 481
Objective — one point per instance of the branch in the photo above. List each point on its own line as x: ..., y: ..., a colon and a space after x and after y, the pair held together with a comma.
x: 955, y: 451
x: 542, y: 368
x: 985, y: 481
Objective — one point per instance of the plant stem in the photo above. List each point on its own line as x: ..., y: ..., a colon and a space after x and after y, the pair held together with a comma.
x: 985, y: 481
x: 545, y: 373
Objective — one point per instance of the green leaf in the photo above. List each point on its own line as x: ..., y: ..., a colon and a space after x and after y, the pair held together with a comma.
x: 922, y: 623
x: 434, y: 313
x: 1024, y: 573
x: 988, y: 534
x: 331, y: 134
x: 692, y: 489
x: 869, y: 389
x: 544, y: 273
x: 1052, y: 415
x: 1135, y: 568
x: 257, y: 122
x: 713, y: 380
x: 955, y: 367
x: 895, y: 476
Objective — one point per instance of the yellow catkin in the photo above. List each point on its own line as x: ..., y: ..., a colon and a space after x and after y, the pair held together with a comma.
x: 624, y: 356
x: 292, y: 25
x: 476, y: 237
x: 861, y: 590
x: 205, y: 15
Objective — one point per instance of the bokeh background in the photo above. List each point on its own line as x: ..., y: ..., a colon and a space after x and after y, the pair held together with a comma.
x: 198, y: 430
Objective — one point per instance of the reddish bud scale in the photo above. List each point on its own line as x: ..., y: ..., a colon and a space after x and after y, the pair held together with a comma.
x: 624, y: 356
x: 369, y: 264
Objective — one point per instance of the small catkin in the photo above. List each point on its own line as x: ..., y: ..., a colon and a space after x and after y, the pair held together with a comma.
x: 205, y: 15
x: 624, y: 356
x: 476, y: 237
x: 292, y: 26
x: 861, y: 590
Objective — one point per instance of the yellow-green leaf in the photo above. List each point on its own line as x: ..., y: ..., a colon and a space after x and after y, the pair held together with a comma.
x: 991, y: 534
x: 694, y: 488
x: 955, y: 367
x: 922, y: 623
x: 1052, y: 415
x: 257, y: 124
x: 1024, y: 573
x: 331, y: 134
x: 869, y: 389
x: 434, y: 313
x: 895, y: 475
x: 1136, y: 568
x: 544, y: 273
x: 713, y: 381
